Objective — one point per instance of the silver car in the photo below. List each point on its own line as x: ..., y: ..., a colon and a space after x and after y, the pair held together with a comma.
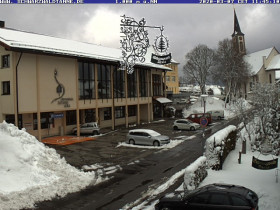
x: 146, y: 137
x: 88, y: 128
x: 185, y: 124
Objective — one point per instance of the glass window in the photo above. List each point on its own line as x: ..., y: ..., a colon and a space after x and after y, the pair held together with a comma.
x: 219, y: 199
x: 173, y: 79
x: 132, y: 85
x: 107, y: 113
x: 119, y: 83
x: 71, y: 117
x: 86, y: 80
x: 104, y: 81
x: 167, y: 78
x: 201, y: 198
x: 90, y: 116
x: 46, y: 120
x: 132, y: 110
x: 5, y: 61
x: 143, y: 83
x: 156, y: 85
x: 237, y: 201
x: 6, y: 88
x: 119, y: 112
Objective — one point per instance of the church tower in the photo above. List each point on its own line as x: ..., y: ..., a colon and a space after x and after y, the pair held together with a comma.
x: 238, y: 37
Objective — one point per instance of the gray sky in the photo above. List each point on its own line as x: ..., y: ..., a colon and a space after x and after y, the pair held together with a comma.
x: 186, y: 25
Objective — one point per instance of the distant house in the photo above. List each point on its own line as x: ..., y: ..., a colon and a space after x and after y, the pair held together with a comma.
x: 172, y: 78
x: 263, y: 63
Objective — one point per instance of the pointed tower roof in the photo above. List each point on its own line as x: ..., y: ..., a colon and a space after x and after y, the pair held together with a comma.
x: 237, y: 30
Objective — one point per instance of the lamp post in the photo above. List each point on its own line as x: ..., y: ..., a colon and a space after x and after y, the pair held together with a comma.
x: 204, y: 96
x: 203, y: 120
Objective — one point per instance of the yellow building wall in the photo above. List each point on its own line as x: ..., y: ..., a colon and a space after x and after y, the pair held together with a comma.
x: 172, y: 78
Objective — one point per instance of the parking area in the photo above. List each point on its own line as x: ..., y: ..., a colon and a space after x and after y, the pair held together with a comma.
x: 106, y: 149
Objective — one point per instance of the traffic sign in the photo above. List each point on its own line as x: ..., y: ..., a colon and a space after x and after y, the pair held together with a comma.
x: 203, y: 121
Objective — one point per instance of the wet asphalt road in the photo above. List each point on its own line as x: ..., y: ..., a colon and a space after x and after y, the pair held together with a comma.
x: 150, y: 168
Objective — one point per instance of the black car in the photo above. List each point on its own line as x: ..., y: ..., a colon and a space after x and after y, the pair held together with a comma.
x: 213, y: 196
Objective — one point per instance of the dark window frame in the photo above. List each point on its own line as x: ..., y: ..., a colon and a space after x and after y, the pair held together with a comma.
x: 119, y: 112
x: 86, y: 79
x: 132, y: 85
x: 6, y: 88
x: 6, y: 61
x: 107, y: 113
x: 132, y: 110
x: 71, y: 117
x: 104, y: 81
x: 119, y: 83
x: 143, y: 80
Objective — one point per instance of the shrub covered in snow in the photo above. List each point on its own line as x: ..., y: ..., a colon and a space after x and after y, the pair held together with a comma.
x: 219, y: 145
x: 195, y: 174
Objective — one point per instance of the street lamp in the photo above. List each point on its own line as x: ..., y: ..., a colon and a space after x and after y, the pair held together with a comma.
x: 203, y: 120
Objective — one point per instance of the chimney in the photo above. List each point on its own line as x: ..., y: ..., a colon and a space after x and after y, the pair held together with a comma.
x: 2, y: 24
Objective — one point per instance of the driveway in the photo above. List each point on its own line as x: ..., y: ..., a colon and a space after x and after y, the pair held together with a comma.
x: 138, y: 168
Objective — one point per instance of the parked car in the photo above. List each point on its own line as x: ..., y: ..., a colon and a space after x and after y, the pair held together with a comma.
x: 146, y: 137
x: 88, y: 128
x: 213, y: 196
x: 217, y: 114
x: 184, y: 124
x: 196, y: 117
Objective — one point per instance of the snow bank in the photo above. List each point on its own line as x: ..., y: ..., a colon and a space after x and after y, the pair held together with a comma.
x: 31, y: 172
x: 219, y: 144
x: 195, y: 174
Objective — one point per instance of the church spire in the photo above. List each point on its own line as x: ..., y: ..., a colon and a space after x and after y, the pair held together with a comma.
x: 237, y: 30
x: 238, y: 37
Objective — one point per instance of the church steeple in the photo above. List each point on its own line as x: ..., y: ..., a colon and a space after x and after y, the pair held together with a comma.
x: 238, y: 37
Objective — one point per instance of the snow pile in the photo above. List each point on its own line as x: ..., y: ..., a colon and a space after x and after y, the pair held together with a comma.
x: 214, y: 144
x: 31, y: 172
x: 195, y: 174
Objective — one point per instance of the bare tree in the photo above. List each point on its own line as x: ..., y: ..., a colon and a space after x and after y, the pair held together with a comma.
x: 198, y: 66
x: 231, y: 69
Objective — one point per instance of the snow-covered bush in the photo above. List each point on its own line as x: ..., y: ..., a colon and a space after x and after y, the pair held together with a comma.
x: 195, y: 174
x: 266, y: 100
x: 219, y: 145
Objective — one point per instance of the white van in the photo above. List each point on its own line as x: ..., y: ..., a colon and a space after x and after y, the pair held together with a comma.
x: 217, y: 114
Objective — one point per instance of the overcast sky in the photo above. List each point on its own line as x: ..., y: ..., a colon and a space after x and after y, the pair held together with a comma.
x: 185, y: 25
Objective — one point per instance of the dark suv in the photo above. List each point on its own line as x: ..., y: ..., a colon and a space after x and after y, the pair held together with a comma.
x: 214, y: 196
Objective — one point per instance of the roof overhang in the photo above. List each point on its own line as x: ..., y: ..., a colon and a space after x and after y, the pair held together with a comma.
x: 163, y: 100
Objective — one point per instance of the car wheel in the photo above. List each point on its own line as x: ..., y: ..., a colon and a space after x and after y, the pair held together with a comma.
x: 175, y: 128
x: 131, y: 141
x: 192, y: 128
x: 95, y: 133
x: 156, y: 143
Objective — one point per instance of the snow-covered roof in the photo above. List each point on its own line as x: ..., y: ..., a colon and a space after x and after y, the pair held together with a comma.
x: 22, y: 40
x: 275, y: 63
x: 256, y: 59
